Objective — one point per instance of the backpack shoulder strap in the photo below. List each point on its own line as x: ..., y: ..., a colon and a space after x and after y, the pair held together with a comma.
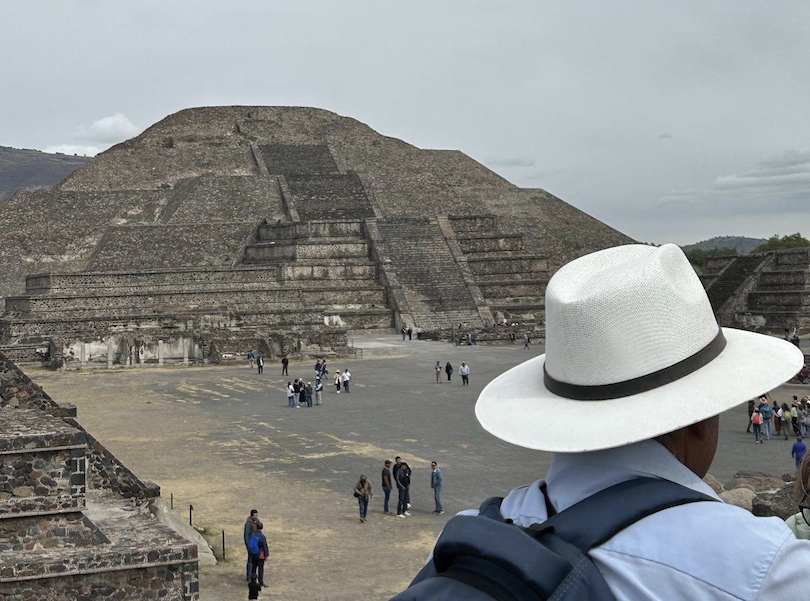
x: 597, y: 518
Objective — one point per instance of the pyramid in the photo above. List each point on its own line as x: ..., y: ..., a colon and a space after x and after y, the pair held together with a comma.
x: 275, y: 228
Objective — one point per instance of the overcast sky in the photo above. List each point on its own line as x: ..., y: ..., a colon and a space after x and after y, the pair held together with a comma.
x: 670, y: 121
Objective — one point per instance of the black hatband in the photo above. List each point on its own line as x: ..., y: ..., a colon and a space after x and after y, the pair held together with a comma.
x: 642, y: 383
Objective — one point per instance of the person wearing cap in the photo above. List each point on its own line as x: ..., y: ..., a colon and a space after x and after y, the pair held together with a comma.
x: 633, y: 348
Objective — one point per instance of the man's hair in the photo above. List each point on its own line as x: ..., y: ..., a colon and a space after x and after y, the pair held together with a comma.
x: 254, y: 512
x: 397, y: 457
x: 387, y: 462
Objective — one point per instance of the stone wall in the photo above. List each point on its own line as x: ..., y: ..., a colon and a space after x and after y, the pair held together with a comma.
x: 74, y: 522
x: 166, y: 246
x: 172, y: 582
x: 209, y: 199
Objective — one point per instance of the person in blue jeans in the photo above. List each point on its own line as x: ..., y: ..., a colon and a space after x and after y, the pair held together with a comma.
x: 798, y: 451
x: 363, y: 493
x: 767, y: 414
x: 250, y: 527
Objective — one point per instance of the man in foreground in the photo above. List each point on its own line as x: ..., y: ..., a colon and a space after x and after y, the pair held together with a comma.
x: 633, y: 349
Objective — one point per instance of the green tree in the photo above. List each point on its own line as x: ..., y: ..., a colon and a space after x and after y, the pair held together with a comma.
x: 777, y: 242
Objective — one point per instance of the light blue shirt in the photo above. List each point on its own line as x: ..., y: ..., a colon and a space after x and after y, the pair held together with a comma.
x: 697, y: 551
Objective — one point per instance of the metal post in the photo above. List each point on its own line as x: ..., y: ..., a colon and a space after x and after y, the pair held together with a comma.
x: 223, y: 545
x: 190, y: 511
x: 171, y: 501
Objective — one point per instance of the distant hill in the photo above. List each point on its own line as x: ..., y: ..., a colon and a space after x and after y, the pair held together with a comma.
x: 27, y: 169
x: 741, y: 243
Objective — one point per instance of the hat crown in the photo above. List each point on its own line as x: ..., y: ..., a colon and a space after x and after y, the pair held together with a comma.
x: 623, y: 313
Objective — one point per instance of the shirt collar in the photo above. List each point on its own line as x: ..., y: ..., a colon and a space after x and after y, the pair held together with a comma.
x: 574, y: 476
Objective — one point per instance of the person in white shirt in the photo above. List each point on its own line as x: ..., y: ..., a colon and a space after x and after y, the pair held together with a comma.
x: 634, y: 350
x: 464, y: 370
x: 346, y: 378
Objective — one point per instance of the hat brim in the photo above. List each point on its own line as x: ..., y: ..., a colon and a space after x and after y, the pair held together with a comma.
x: 517, y: 407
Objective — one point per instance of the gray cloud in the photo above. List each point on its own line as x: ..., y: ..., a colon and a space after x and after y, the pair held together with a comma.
x: 563, y: 96
x: 511, y: 162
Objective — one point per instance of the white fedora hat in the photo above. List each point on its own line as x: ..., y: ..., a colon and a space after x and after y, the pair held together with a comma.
x: 633, y: 351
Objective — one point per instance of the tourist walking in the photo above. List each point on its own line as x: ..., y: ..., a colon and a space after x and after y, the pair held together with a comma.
x: 250, y: 528
x: 285, y: 362
x: 464, y: 370
x: 337, y: 381
x: 386, y: 484
x: 308, y: 393
x: 260, y: 363
x: 346, y: 378
x: 436, y: 484
x: 251, y: 357
x: 318, y: 391
x: 438, y: 369
x: 363, y: 493
x: 448, y: 369
x: 525, y: 341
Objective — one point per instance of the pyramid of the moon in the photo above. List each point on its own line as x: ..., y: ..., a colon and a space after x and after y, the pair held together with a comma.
x: 277, y: 228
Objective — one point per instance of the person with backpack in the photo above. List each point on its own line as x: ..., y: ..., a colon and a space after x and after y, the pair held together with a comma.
x: 623, y: 511
x: 786, y: 419
x: 756, y: 421
x: 259, y: 552
x: 767, y: 414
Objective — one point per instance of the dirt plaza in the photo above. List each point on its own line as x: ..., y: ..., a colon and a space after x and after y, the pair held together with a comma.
x: 222, y: 439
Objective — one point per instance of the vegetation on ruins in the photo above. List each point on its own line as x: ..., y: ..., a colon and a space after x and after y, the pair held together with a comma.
x: 697, y: 256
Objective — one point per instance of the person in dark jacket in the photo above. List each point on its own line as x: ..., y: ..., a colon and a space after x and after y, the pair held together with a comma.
x: 250, y: 528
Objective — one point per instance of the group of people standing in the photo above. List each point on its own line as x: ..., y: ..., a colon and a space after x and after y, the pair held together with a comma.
x: 407, y: 332
x: 762, y: 415
x: 301, y: 394
x: 463, y: 370
x: 398, y: 476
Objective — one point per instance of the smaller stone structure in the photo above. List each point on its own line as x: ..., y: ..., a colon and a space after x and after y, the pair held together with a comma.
x: 74, y: 522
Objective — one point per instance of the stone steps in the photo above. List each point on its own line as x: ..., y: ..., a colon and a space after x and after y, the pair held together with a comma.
x: 306, y: 249
x: 732, y: 277
x: 178, y: 278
